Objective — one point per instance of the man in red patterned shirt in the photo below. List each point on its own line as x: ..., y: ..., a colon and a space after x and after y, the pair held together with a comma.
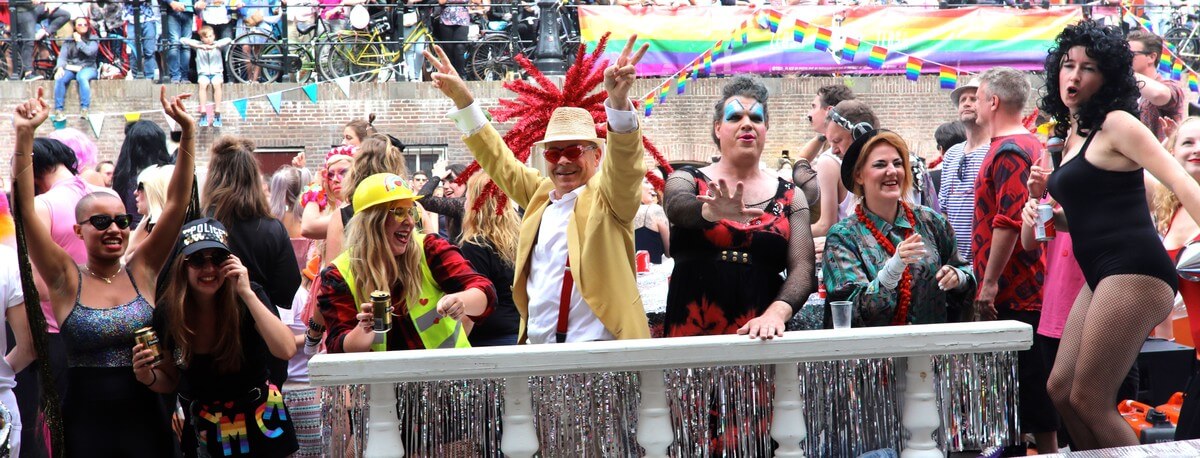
x: 1011, y: 276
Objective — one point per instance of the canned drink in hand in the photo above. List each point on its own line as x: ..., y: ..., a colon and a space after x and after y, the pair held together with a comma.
x: 380, y: 301
x: 1043, y: 231
x: 149, y: 340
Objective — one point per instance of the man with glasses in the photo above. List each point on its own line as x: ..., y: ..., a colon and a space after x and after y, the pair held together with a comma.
x: 960, y: 166
x: 583, y: 210
x: 1162, y: 103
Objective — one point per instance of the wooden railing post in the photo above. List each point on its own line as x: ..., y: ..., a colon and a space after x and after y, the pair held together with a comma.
x: 383, y: 433
x: 520, y: 438
x: 654, y: 418
x: 787, y: 421
x: 920, y: 416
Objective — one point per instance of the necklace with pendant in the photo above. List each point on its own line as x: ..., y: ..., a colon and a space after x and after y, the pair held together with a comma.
x: 107, y: 280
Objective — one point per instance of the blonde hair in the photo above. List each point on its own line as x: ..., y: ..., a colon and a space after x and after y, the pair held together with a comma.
x: 895, y: 141
x: 371, y: 259
x: 1165, y: 203
x: 154, y: 180
x: 486, y: 228
x: 375, y: 155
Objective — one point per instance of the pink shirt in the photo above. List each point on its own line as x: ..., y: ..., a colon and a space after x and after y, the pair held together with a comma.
x: 61, y: 200
x: 1064, y: 279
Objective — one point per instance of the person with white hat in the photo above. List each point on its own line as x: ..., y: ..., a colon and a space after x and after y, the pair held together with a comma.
x: 960, y: 166
x: 584, y: 209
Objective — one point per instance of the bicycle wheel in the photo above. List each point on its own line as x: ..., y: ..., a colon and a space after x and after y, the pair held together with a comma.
x: 244, y: 57
x: 1187, y: 44
x: 493, y: 58
x: 354, y: 55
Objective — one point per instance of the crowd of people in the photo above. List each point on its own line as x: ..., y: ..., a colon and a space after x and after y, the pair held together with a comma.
x: 244, y: 281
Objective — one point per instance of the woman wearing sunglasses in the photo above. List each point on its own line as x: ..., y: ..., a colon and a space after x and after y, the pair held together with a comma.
x: 219, y: 338
x: 427, y: 277
x: 101, y: 303
x: 898, y: 262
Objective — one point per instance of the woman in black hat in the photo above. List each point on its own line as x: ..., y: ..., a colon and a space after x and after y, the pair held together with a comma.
x: 101, y: 304
x: 218, y: 337
x: 896, y: 261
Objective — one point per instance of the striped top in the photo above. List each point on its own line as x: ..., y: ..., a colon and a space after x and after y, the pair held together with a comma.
x: 957, y: 194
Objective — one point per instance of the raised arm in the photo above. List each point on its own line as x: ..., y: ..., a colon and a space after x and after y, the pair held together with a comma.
x: 518, y: 181
x: 624, y: 168
x: 52, y: 263
x: 153, y: 252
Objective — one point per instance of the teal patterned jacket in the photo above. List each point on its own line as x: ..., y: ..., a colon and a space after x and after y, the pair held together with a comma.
x: 853, y: 259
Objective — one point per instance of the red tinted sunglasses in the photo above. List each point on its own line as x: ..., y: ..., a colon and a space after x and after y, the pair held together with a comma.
x: 572, y: 152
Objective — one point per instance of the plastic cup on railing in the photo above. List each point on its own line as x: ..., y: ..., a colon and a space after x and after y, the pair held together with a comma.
x: 841, y: 311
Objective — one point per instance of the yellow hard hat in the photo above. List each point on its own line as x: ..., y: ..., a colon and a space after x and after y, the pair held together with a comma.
x: 381, y: 188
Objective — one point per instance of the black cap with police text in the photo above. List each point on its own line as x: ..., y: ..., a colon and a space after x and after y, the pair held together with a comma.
x: 202, y: 234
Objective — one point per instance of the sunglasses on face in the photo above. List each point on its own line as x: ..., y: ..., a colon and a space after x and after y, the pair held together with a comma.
x: 571, y: 152
x: 856, y: 130
x: 199, y: 261
x: 101, y: 222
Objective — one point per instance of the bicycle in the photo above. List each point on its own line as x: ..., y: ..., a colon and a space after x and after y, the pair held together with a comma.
x: 361, y: 54
x: 495, y: 56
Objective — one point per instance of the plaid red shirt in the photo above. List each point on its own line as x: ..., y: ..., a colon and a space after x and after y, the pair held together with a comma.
x: 1000, y: 195
x: 451, y: 272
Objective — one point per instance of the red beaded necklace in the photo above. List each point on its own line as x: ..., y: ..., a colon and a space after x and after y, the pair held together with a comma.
x: 904, y: 287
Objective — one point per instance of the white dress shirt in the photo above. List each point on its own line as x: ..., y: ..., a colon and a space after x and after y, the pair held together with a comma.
x: 549, y: 258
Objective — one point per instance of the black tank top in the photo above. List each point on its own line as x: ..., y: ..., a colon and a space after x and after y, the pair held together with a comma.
x: 1111, y: 229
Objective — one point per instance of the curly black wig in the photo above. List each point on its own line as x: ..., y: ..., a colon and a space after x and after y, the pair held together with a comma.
x: 1108, y: 47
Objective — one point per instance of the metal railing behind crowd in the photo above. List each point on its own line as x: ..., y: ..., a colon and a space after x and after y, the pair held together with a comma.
x: 269, y: 42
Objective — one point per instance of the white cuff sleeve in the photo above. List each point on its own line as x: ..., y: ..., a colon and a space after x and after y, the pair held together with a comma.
x: 470, y: 119
x: 621, y: 122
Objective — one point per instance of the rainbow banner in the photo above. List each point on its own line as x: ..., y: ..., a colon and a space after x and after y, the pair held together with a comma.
x: 878, y: 56
x: 823, y: 37
x: 849, y: 49
x: 947, y: 77
x: 1193, y: 84
x: 798, y: 30
x: 912, y: 70
x: 970, y: 39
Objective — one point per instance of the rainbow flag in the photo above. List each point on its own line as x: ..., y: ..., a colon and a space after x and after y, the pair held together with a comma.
x: 823, y: 37
x: 773, y: 18
x: 1164, y: 62
x: 798, y: 30
x: 708, y: 58
x: 1177, y: 70
x: 850, y: 49
x: 1193, y: 84
x: 681, y: 82
x: 912, y: 71
x: 947, y: 77
x: 878, y: 55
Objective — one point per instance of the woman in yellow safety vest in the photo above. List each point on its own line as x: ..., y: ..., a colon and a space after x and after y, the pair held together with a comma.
x: 435, y: 293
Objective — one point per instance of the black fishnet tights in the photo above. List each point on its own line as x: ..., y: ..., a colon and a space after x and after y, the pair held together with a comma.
x: 1102, y: 338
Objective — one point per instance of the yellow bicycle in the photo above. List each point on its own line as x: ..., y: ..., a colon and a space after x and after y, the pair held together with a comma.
x: 363, y: 54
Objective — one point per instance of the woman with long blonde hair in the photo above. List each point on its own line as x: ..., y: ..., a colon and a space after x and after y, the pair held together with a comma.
x: 490, y: 231
x: 424, y: 274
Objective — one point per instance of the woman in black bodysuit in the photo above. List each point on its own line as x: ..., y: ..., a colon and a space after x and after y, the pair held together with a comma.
x: 1092, y: 94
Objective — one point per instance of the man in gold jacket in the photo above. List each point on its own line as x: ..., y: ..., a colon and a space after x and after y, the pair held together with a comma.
x: 575, y: 252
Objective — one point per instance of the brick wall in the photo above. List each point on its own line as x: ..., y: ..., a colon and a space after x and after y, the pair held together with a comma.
x: 415, y: 113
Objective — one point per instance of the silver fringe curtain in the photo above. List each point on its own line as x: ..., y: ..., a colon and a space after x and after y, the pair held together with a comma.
x: 851, y: 407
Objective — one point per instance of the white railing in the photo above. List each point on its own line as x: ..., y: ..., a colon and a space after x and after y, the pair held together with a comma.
x: 649, y: 357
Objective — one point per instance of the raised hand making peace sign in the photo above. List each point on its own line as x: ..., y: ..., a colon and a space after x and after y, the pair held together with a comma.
x: 620, y: 76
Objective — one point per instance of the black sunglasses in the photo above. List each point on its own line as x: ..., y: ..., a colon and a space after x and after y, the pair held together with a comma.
x: 856, y: 130
x: 198, y: 261
x: 101, y: 222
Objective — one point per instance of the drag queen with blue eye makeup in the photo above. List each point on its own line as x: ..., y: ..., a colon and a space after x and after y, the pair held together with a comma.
x: 736, y: 227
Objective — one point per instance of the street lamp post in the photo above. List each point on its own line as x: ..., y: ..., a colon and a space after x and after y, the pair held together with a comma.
x: 549, y: 47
